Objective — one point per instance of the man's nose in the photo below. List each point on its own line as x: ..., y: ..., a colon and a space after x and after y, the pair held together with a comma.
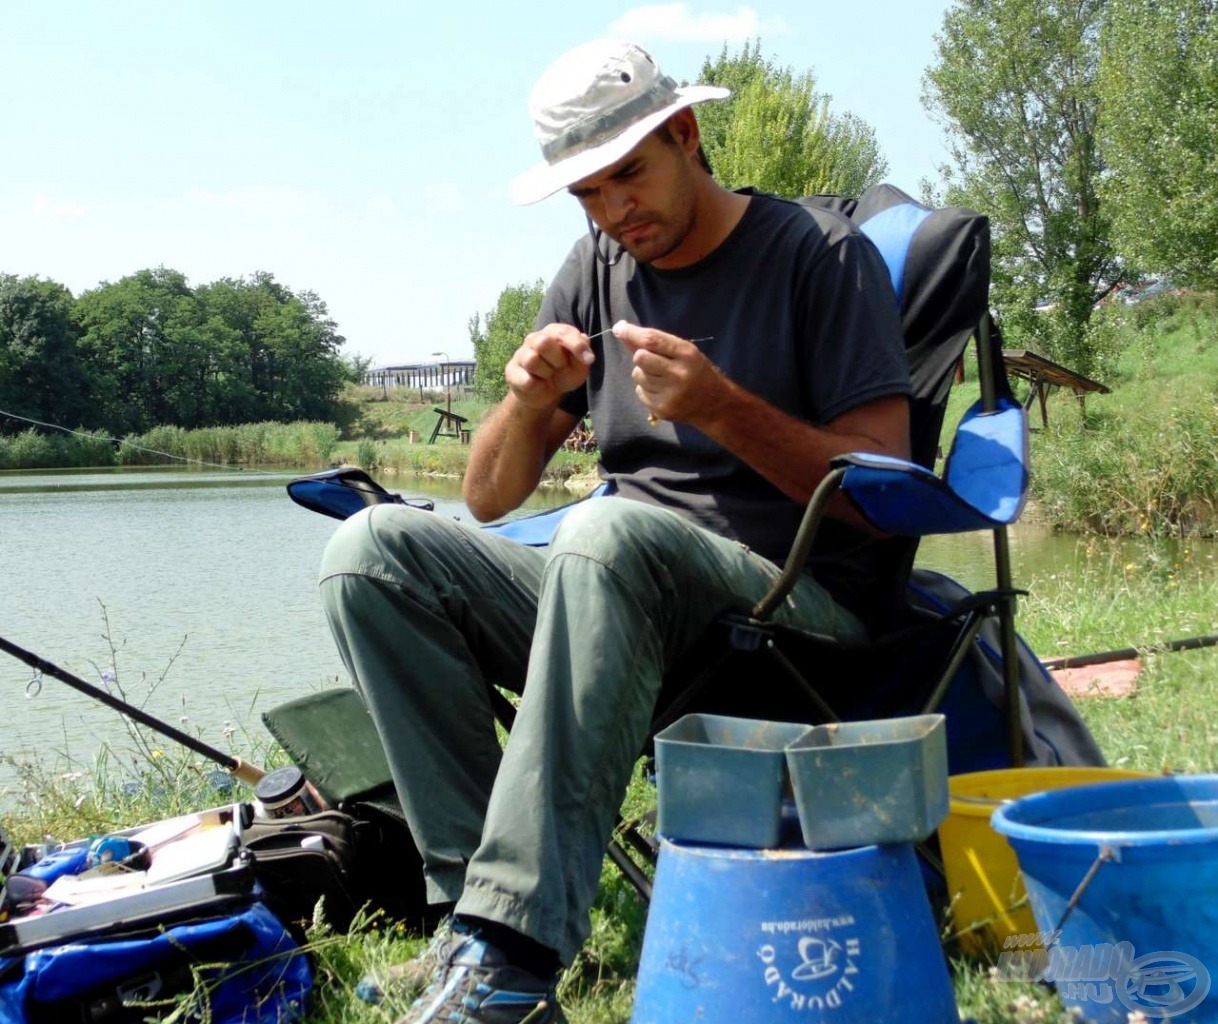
x: 619, y: 202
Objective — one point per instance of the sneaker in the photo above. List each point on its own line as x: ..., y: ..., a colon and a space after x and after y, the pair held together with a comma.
x: 476, y: 985
x: 400, y: 983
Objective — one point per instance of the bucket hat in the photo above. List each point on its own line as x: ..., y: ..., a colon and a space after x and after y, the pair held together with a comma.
x: 592, y: 106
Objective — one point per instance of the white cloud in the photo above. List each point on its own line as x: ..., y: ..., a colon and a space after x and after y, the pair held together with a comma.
x: 443, y: 197
x: 285, y: 201
x: 381, y: 206
x: 43, y: 205
x: 677, y: 22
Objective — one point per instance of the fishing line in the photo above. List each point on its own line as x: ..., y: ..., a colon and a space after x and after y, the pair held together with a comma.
x: 596, y: 234
x: 121, y: 443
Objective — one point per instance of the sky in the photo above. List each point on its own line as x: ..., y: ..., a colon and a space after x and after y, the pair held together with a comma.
x: 363, y: 151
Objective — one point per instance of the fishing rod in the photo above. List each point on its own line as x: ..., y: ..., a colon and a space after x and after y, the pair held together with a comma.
x: 235, y: 766
x: 1191, y: 643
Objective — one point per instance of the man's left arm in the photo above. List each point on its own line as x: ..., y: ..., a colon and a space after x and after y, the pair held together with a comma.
x: 676, y: 382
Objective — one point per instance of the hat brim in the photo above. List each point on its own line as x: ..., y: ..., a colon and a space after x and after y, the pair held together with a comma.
x: 544, y: 179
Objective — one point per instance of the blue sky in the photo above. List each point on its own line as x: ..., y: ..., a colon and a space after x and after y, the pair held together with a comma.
x: 363, y: 151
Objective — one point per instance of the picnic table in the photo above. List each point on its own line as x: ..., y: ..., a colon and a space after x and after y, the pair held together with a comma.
x: 449, y: 424
x: 1044, y: 375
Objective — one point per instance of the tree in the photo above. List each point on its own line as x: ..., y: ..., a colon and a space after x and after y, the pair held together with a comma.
x: 146, y: 353
x: 41, y: 375
x: 1158, y: 87
x: 1014, y: 84
x: 282, y: 359
x: 777, y: 132
x: 233, y: 351
x: 497, y: 336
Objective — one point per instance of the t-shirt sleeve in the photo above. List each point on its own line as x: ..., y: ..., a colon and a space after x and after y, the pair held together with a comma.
x: 856, y: 350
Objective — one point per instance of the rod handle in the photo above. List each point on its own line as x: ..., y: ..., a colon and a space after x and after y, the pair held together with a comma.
x: 245, y: 771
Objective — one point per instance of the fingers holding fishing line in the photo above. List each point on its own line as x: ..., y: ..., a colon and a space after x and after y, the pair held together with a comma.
x: 549, y: 363
x: 671, y: 374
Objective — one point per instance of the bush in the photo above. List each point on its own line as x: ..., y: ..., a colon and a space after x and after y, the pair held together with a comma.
x: 266, y: 444
x: 1149, y: 474
x: 369, y: 454
x: 33, y: 450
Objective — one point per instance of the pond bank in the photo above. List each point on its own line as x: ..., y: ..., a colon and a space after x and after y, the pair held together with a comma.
x: 575, y: 478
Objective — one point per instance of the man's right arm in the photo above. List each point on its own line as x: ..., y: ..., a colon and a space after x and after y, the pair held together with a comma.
x: 513, y: 445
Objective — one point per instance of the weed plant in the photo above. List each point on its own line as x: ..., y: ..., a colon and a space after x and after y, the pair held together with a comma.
x: 1143, y: 460
x: 249, y: 444
x: 31, y: 449
x: 448, y: 458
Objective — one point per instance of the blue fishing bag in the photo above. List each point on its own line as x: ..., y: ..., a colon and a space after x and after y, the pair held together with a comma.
x: 241, y: 968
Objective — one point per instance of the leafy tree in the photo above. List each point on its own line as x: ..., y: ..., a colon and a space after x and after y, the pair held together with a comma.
x: 1158, y: 86
x: 283, y: 360
x: 41, y: 375
x: 233, y: 351
x: 143, y: 343
x: 1014, y: 83
x: 777, y: 132
x: 500, y: 333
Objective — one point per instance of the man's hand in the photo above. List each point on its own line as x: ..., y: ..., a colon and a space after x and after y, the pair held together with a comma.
x: 548, y: 364
x: 672, y: 377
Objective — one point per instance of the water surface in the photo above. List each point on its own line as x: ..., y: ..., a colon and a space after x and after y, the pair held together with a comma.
x: 207, y: 585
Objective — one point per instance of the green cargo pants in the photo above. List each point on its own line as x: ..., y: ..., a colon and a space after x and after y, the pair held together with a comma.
x: 424, y: 609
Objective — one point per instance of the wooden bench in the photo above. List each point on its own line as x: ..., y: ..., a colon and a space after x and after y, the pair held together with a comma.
x: 1044, y: 375
x: 450, y: 425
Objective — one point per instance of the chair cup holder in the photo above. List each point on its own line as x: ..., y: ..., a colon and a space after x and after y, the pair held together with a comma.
x: 858, y: 783
x: 723, y: 780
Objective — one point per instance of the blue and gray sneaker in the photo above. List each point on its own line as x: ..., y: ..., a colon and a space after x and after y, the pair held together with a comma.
x: 476, y: 985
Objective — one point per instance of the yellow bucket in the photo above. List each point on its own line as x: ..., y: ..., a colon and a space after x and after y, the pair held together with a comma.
x: 988, y: 902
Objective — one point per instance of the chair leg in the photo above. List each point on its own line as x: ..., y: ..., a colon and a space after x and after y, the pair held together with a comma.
x: 808, y: 689
x: 1009, y: 648
x: 630, y: 870
x: 960, y: 648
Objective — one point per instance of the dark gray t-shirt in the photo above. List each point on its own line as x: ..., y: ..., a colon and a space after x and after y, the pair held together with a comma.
x: 797, y: 307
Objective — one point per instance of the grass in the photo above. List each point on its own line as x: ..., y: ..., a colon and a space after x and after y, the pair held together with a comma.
x: 1166, y: 593
x: 1141, y: 460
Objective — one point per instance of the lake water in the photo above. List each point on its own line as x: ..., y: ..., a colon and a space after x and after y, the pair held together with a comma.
x: 206, y: 582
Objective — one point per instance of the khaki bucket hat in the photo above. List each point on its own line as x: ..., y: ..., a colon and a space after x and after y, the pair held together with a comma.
x: 592, y: 106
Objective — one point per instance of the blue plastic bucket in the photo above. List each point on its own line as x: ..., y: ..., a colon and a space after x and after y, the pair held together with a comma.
x: 764, y: 936
x: 1143, y: 858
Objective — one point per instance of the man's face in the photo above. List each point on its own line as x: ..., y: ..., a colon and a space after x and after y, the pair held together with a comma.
x: 645, y: 201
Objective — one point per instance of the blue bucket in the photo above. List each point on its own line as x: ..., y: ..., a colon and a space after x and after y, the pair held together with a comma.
x: 1143, y: 858
x: 764, y: 936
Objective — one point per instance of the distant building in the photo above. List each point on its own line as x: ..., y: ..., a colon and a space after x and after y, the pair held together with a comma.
x: 424, y: 376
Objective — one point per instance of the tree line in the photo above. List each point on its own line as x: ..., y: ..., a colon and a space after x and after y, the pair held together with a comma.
x: 1086, y: 130
x: 150, y: 350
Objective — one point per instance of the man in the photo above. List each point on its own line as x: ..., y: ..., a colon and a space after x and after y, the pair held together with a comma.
x: 727, y: 345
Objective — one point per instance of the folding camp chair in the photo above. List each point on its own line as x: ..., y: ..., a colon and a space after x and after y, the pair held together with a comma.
x: 933, y: 643
x: 938, y: 261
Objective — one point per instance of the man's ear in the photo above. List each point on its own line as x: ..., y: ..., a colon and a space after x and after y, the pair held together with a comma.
x: 683, y: 130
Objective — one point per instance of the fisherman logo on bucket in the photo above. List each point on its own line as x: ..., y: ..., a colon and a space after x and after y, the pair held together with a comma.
x: 1164, y: 985
x: 1160, y: 986
x: 815, y: 971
